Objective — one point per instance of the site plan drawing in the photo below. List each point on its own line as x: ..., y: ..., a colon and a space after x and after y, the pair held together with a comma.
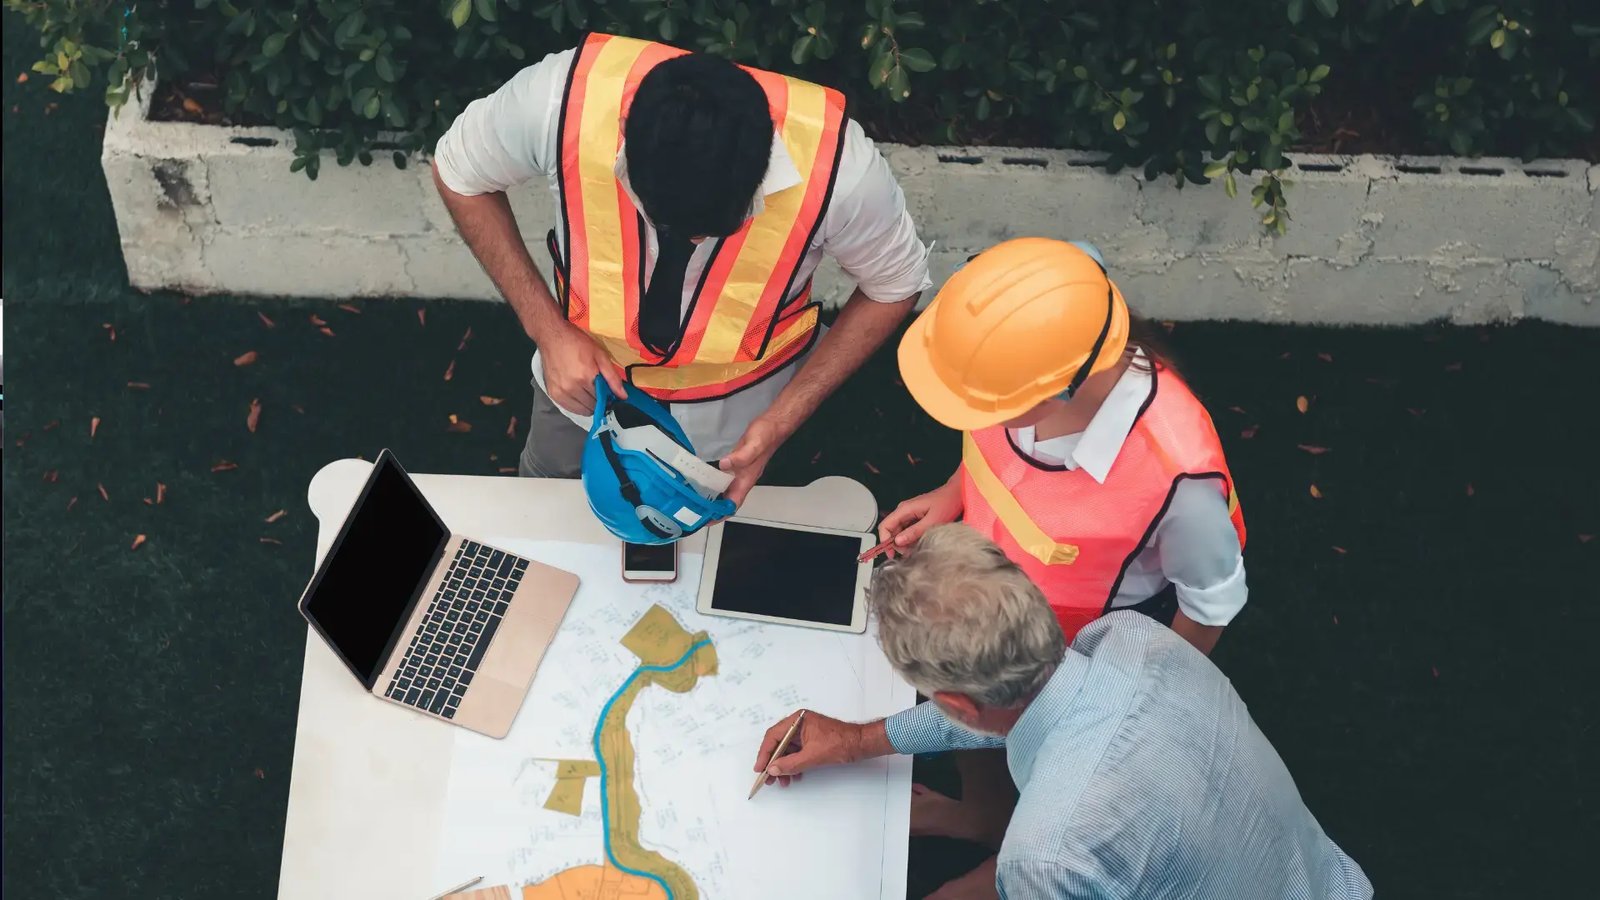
x: 625, y: 776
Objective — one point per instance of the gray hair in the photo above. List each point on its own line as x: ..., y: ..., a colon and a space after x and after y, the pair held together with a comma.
x: 955, y: 615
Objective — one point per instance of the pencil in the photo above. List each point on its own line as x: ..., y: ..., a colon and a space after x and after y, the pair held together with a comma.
x: 776, y: 752
x: 875, y: 551
x: 462, y: 886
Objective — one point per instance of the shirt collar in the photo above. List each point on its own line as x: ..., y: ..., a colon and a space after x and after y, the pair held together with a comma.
x: 782, y: 174
x: 1043, y: 713
x: 1102, y: 440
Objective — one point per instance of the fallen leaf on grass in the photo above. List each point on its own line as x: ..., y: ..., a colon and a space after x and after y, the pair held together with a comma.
x: 103, y: 495
x: 1250, y: 432
x: 350, y: 308
x: 94, y: 426
x: 254, y: 419
x: 266, y: 320
x: 464, y: 338
x: 1302, y: 404
x: 457, y: 426
x: 871, y: 468
x: 111, y: 331
x: 267, y: 540
x: 52, y: 425
x: 161, y: 492
x: 138, y: 541
x: 491, y: 401
x: 149, y: 502
x: 450, y: 370
x: 224, y: 466
x: 71, y: 503
x: 276, y: 516
x: 327, y: 331
x: 1312, y: 449
x: 508, y: 470
x: 511, y: 428
x: 318, y: 320
x: 1325, y: 357
x: 1340, y: 550
x: 422, y: 318
x: 247, y: 358
x: 138, y: 385
x: 22, y: 78
x: 1315, y: 493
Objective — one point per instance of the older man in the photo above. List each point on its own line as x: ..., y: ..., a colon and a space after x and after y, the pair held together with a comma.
x: 1141, y: 773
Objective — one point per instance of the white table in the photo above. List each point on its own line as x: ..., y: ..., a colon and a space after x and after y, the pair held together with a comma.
x: 367, y: 790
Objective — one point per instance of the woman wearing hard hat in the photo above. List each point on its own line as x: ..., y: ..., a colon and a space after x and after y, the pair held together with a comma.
x: 1084, y: 456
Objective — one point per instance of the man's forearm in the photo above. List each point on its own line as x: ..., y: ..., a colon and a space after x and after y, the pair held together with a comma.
x: 488, y: 226
x: 863, y: 325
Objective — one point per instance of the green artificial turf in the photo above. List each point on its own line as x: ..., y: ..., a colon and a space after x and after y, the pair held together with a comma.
x: 1418, y: 644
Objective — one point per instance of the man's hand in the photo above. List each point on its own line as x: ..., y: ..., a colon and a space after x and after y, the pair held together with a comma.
x: 912, y: 518
x: 750, y: 456
x: 572, y: 358
x: 821, y: 741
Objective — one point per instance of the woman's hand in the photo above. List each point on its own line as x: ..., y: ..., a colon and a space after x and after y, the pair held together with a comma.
x: 913, y: 517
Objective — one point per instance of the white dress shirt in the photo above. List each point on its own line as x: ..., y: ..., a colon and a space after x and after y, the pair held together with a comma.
x: 1194, y: 548
x: 512, y: 136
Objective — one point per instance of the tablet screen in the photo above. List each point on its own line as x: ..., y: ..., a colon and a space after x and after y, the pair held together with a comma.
x: 787, y: 574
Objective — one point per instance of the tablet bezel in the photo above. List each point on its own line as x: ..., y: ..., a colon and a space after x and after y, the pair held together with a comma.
x: 713, y: 558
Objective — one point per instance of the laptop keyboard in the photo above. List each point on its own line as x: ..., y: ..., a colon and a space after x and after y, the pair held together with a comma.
x: 461, y: 619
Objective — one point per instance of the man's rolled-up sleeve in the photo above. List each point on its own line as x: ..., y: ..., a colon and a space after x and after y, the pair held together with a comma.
x: 867, y: 228
x: 508, y: 137
x: 925, y: 729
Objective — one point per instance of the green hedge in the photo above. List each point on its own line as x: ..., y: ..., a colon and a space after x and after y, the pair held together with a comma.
x: 1201, y: 89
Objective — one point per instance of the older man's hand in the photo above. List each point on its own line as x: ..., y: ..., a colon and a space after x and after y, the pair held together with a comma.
x: 821, y: 741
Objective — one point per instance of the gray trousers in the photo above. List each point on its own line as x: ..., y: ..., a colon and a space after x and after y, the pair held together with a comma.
x: 555, y: 442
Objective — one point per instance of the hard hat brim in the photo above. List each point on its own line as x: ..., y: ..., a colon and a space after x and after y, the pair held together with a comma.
x: 951, y: 408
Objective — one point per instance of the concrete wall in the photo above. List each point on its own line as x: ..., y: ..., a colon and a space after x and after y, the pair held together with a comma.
x: 1373, y: 240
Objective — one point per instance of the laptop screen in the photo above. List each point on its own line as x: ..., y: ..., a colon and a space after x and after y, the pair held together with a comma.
x: 365, y: 590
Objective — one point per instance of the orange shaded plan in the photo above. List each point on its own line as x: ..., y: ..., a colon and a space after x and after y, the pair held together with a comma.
x: 581, y: 883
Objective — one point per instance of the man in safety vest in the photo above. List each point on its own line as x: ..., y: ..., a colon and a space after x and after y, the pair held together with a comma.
x: 695, y: 200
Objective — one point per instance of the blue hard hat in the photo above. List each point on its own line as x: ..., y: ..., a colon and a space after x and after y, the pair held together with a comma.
x: 640, y: 473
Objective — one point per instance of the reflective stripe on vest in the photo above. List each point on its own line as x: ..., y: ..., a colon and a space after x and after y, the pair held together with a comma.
x: 742, y: 324
x: 1074, y: 536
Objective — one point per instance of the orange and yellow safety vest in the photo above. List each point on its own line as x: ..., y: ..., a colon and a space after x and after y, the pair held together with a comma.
x: 1074, y: 536
x: 743, y: 323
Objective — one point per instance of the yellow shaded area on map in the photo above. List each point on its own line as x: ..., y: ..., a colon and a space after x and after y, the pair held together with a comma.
x: 579, y: 883
x: 567, y: 795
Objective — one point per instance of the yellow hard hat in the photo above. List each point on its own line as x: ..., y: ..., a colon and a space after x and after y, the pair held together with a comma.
x: 1021, y: 323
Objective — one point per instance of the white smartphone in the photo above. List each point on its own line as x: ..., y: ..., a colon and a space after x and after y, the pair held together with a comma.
x: 649, y: 562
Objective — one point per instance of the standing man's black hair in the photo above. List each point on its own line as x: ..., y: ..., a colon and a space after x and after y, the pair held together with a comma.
x: 699, y: 135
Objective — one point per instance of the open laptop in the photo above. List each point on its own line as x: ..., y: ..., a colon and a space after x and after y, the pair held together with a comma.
x: 437, y: 622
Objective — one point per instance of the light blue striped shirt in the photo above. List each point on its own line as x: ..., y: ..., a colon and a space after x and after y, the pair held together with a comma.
x: 1142, y: 775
